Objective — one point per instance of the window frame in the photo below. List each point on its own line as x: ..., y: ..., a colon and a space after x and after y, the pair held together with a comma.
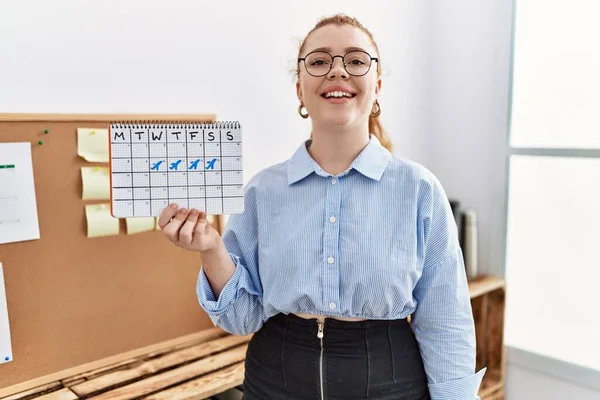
x: 521, y: 357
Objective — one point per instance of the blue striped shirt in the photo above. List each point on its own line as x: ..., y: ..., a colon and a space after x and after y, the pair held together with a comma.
x: 377, y: 241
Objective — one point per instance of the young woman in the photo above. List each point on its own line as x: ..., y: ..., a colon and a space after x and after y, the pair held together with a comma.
x: 337, y: 246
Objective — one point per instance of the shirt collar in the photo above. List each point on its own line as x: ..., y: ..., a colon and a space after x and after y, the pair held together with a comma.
x: 371, y: 162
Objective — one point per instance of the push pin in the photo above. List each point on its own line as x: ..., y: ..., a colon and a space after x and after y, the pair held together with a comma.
x: 93, y: 132
x: 40, y: 142
x: 46, y: 131
x: 97, y: 169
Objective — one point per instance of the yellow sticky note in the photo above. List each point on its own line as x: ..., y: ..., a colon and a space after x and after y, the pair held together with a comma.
x: 96, y: 183
x: 99, y: 220
x: 137, y: 225
x: 92, y: 144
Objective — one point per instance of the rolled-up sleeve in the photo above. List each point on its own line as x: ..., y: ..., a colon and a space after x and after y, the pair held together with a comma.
x: 443, y: 320
x: 238, y: 309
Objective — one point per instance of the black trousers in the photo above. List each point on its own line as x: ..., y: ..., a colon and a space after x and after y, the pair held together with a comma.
x: 287, y: 360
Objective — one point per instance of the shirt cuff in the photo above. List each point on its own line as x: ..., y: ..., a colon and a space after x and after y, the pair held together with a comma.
x: 206, y: 297
x: 461, y: 389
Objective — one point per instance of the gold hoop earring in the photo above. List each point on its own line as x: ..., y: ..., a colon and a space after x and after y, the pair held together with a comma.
x: 300, y: 111
x: 377, y: 113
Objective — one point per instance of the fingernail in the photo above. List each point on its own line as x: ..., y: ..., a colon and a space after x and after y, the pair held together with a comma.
x: 173, y: 206
x: 183, y: 211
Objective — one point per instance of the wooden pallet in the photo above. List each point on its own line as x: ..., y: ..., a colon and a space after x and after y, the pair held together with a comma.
x: 198, y: 369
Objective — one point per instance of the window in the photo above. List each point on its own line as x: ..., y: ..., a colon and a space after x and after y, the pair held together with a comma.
x: 552, y: 262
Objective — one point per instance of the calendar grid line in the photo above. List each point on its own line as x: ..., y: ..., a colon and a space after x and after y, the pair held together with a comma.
x: 156, y: 173
x: 131, y: 165
x: 221, y: 167
x: 229, y: 141
x: 167, y: 163
x: 197, y: 197
x: 175, y: 186
x: 187, y: 162
x: 127, y: 158
x: 149, y: 176
x: 203, y: 168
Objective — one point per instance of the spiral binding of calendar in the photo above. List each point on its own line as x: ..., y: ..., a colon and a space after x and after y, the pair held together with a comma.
x: 175, y: 124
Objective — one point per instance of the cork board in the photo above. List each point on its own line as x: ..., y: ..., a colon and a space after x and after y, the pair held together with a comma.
x: 73, y: 299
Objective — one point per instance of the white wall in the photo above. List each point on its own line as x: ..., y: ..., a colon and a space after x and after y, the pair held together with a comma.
x: 469, y: 87
x: 444, y: 96
x: 232, y: 58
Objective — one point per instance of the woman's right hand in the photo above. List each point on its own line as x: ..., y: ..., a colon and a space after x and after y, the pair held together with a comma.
x: 188, y: 229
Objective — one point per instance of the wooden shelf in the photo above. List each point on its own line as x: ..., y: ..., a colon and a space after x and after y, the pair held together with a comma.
x: 487, y: 301
x: 485, y: 284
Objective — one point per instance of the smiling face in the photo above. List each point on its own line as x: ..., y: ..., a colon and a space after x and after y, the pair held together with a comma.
x: 338, y: 99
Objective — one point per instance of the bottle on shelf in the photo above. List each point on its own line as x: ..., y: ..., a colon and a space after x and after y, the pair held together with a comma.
x: 470, y: 242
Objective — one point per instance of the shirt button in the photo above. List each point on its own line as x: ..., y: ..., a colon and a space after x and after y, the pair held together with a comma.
x: 332, y: 219
x: 333, y: 181
x: 332, y: 306
x: 330, y: 260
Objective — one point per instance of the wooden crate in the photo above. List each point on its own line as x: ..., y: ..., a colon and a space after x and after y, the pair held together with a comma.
x: 487, y: 301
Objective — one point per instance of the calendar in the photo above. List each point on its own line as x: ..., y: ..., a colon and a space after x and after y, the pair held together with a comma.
x: 193, y: 164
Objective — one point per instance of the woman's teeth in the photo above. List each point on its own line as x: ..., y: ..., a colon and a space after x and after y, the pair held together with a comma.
x: 338, y: 94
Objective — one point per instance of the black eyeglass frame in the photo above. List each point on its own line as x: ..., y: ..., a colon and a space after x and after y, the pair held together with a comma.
x: 376, y: 59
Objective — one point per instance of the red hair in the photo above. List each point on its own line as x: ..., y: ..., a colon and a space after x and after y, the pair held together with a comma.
x: 375, y: 126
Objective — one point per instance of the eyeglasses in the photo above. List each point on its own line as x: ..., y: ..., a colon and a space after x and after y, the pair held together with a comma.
x: 356, y: 62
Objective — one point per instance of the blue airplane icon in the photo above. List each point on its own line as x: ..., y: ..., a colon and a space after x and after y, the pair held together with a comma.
x: 211, y: 164
x: 175, y: 165
x: 194, y: 164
